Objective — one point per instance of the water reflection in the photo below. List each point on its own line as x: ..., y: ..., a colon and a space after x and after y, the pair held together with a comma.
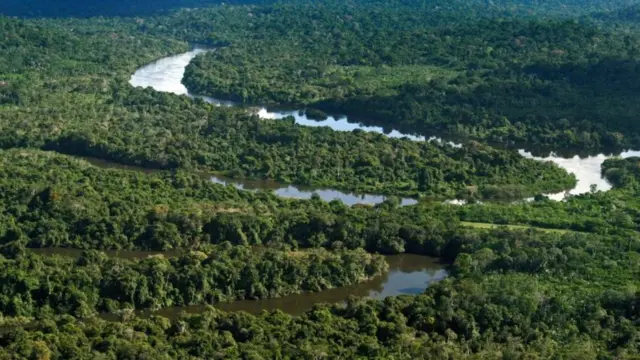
x: 283, y: 190
x: 586, y: 169
x: 341, y: 123
x: 166, y: 75
x: 300, y: 192
x: 408, y: 275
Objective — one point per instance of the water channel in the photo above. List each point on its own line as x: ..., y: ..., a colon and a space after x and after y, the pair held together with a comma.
x: 407, y: 275
x: 166, y: 75
x: 587, y: 170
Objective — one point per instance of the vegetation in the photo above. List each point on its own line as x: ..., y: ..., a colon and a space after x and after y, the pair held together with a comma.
x: 113, y: 121
x: 554, y: 267
x: 539, y: 82
x: 526, y: 280
x: 68, y: 8
x: 36, y: 285
x: 612, y: 212
x: 519, y: 293
x: 51, y: 200
x: 626, y: 16
x: 514, y: 227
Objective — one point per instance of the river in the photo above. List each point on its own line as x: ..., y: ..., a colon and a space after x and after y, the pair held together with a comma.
x: 166, y: 75
x: 288, y: 191
x: 407, y: 275
x: 587, y: 170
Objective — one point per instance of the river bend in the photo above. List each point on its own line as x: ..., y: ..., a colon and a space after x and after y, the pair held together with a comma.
x: 166, y: 75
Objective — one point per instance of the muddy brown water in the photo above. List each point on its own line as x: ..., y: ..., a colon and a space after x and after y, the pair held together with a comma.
x: 408, y: 275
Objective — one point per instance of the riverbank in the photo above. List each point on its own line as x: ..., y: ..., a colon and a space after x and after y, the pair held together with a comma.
x: 166, y: 74
x: 406, y: 274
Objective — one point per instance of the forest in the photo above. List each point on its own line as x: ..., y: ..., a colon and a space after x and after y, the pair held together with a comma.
x: 94, y: 167
x: 113, y: 121
x: 537, y: 82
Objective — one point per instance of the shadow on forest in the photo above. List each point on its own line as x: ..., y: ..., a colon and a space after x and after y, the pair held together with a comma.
x: 575, y: 105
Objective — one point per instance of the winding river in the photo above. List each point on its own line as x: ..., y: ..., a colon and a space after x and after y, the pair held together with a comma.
x: 407, y: 275
x: 166, y: 75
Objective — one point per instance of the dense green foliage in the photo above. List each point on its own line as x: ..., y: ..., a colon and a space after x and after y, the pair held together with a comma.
x: 78, y: 8
x: 527, y: 280
x: 540, y: 82
x: 622, y: 172
x: 519, y: 293
x: 613, y: 212
x: 111, y: 120
x: 33, y: 284
x: 625, y: 16
x: 74, y: 204
x: 557, y: 270
x: 77, y: 205
x: 84, y: 8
